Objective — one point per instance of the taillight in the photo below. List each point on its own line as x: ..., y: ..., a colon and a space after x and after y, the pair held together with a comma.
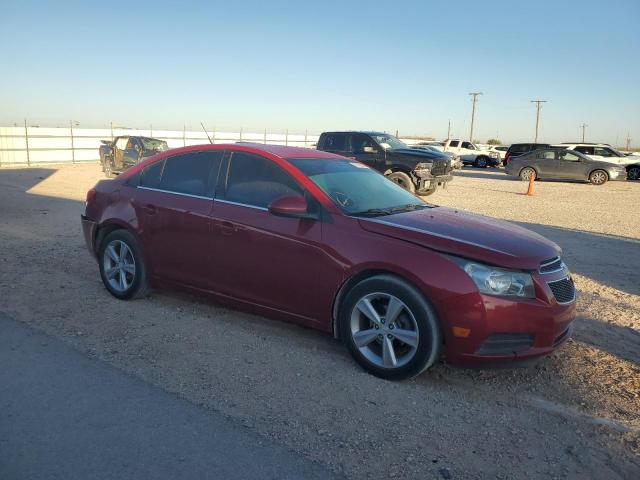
x: 507, y: 160
x: 91, y: 194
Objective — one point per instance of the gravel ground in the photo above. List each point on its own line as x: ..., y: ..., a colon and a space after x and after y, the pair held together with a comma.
x: 574, y: 414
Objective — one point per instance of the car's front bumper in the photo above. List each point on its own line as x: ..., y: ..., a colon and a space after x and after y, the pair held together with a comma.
x: 429, y: 183
x: 490, y: 329
x: 89, y: 230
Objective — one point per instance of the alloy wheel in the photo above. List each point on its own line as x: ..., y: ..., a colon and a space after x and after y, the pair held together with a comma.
x: 119, y: 265
x: 598, y: 178
x: 384, y: 330
x: 633, y: 173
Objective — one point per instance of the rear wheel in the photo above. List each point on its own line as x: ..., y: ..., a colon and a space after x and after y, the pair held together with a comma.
x: 403, y: 180
x: 389, y: 328
x: 121, y: 266
x: 598, y: 177
x: 526, y: 173
x: 633, y: 173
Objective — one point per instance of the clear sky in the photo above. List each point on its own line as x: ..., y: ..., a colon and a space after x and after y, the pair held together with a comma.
x: 403, y: 65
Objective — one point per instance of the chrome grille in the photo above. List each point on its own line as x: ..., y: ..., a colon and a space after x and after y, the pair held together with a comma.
x: 552, y: 265
x: 564, y: 290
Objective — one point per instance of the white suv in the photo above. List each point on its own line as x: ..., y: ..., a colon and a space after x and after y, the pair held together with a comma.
x: 601, y: 152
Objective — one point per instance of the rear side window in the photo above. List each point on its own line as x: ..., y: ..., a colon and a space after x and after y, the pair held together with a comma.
x: 335, y: 142
x: 151, y: 175
x: 256, y: 181
x: 521, y: 148
x: 546, y: 155
x: 454, y: 143
x: 191, y: 173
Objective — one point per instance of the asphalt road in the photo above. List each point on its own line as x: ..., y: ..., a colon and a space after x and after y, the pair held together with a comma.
x: 66, y: 416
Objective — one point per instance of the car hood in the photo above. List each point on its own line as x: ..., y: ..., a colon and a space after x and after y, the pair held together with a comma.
x: 414, y: 152
x: 467, y: 235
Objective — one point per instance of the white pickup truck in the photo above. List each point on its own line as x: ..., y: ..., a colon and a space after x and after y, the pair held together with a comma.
x: 472, y: 155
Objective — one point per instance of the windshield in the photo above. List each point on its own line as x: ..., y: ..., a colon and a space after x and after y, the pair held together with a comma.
x: 389, y: 141
x: 154, y: 144
x: 356, y: 189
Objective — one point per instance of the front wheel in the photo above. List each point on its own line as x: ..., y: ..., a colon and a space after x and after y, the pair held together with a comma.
x: 633, y: 173
x: 389, y: 328
x: 481, y: 162
x: 598, y: 177
x: 403, y: 180
x: 121, y: 266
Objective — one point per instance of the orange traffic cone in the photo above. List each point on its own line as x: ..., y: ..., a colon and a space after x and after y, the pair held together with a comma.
x: 532, y: 179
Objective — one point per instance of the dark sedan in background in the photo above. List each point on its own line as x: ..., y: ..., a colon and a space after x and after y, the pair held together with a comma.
x: 554, y: 163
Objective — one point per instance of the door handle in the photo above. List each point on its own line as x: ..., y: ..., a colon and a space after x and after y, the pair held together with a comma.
x: 149, y: 209
x: 227, y: 228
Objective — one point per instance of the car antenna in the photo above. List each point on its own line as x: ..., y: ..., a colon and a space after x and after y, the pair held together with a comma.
x: 206, y: 133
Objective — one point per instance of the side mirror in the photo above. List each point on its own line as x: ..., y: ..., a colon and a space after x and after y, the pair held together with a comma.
x: 293, y: 206
x: 369, y: 150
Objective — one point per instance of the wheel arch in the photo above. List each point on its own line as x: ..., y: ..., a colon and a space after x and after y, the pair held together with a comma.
x: 535, y: 169
x: 108, y: 226
x: 358, y: 277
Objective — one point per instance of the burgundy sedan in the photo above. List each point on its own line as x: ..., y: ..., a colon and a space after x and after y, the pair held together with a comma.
x: 326, y: 242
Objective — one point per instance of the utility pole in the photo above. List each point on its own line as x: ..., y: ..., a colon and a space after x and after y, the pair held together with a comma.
x: 628, y: 142
x: 584, y: 127
x: 538, y: 104
x: 473, y: 113
x: 449, y: 130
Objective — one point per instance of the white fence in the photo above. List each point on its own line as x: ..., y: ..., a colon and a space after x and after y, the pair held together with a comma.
x: 37, y: 145
x: 34, y: 145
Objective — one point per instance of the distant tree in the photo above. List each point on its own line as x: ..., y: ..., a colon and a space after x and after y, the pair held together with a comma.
x: 494, y: 141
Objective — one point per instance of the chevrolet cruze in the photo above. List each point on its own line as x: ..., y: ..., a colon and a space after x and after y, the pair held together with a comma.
x: 326, y: 242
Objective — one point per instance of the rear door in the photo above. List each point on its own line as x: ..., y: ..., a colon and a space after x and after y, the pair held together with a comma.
x: 570, y: 166
x: 175, y: 216
x: 546, y: 162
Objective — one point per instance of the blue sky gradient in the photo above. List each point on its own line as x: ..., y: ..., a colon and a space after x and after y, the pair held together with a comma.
x: 405, y: 65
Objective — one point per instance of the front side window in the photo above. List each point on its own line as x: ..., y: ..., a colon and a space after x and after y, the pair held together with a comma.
x: 257, y: 181
x: 359, y: 142
x: 604, y: 152
x: 355, y: 188
x: 191, y: 173
x: 468, y: 146
x: 568, y: 156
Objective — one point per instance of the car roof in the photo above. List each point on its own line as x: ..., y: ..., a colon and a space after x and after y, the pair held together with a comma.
x: 367, y: 132
x: 281, y: 151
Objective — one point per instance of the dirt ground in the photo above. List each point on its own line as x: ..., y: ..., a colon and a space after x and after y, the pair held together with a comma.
x: 574, y: 414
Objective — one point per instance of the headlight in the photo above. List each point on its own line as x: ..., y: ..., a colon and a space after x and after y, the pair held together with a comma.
x: 498, y: 281
x: 423, y: 166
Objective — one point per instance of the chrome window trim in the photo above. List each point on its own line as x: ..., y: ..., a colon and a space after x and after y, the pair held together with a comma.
x: 241, y: 204
x: 175, y: 193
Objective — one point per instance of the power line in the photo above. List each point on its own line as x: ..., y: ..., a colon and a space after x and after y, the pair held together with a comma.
x: 538, y: 104
x: 473, y: 113
x: 584, y: 127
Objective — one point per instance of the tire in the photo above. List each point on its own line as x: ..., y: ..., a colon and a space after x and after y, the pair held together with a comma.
x: 633, y: 173
x: 598, y: 177
x: 525, y: 173
x: 431, y: 191
x: 403, y: 180
x: 107, y: 168
x: 415, y: 318
x: 481, y: 162
x: 122, y: 266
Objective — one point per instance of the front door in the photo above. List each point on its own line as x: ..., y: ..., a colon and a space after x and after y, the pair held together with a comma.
x: 118, y: 153
x: 262, y: 258
x: 570, y: 166
x: 365, y: 150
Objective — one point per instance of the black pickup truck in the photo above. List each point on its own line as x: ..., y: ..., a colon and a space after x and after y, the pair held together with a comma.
x: 418, y: 171
x: 122, y: 152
